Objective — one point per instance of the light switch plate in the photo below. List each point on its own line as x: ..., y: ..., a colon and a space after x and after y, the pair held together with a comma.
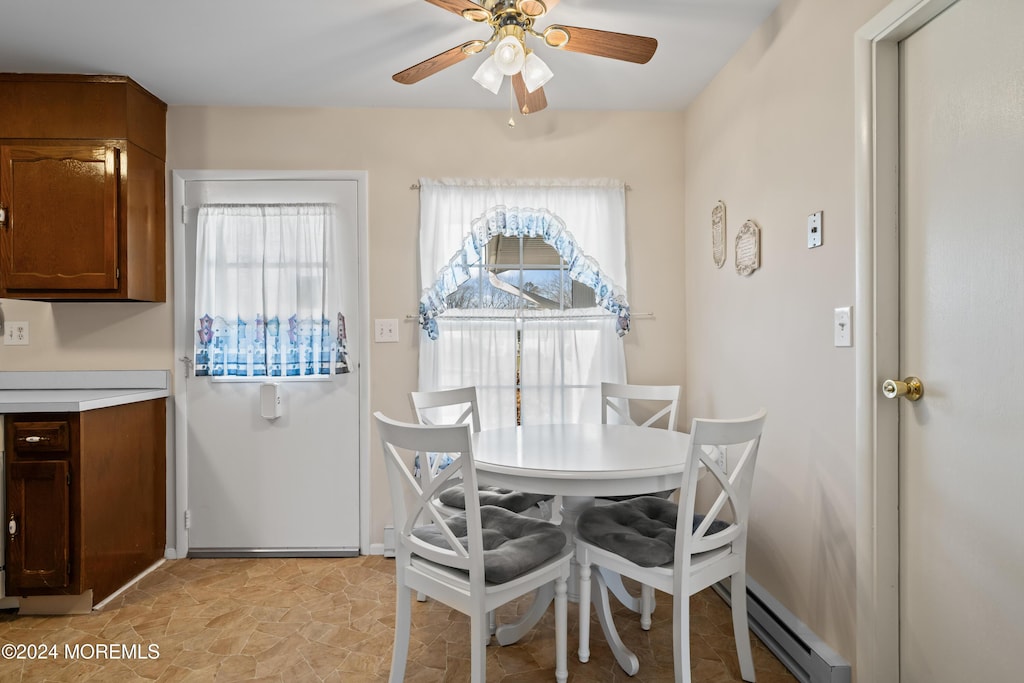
x: 814, y: 230
x: 385, y: 330
x: 842, y: 326
x: 16, y: 333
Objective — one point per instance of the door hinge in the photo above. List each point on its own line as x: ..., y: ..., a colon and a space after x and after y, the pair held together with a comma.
x: 69, y: 570
x: 67, y: 478
x: 184, y: 214
x: 188, y: 519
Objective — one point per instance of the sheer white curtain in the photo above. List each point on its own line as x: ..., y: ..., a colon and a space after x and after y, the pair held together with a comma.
x: 564, y: 355
x: 266, y: 304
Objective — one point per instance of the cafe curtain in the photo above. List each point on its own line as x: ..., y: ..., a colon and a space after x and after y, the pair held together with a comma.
x: 563, y: 355
x: 266, y: 303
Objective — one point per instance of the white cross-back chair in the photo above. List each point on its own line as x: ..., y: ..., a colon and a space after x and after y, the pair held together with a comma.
x: 446, y: 559
x: 707, y: 548
x: 616, y: 401
x: 460, y: 406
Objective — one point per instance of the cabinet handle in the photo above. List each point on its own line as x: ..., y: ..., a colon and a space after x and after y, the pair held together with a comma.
x: 12, y: 526
x: 36, y: 439
x: 3, y: 216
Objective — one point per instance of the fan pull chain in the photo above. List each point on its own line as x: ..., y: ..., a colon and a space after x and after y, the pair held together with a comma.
x: 511, y: 105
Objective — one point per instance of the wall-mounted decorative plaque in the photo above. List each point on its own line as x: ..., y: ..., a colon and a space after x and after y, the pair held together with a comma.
x: 748, y: 248
x: 718, y: 234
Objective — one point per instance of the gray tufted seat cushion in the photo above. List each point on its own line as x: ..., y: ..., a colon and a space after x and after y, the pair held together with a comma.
x: 513, y: 544
x: 516, y: 501
x: 643, y: 530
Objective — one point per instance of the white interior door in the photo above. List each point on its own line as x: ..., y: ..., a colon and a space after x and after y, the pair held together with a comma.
x: 962, y: 333
x: 287, y: 486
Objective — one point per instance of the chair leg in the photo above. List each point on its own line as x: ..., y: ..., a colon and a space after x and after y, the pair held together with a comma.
x: 403, y: 621
x: 561, y: 630
x: 738, y: 594
x: 480, y: 635
x: 681, y: 637
x: 646, y: 606
x: 584, y: 648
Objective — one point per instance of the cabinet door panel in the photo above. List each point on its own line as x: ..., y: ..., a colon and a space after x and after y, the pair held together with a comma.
x: 56, y: 196
x: 37, y: 504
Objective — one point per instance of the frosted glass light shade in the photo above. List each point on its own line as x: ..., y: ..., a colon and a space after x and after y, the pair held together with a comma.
x: 509, y: 55
x: 535, y: 72
x: 489, y: 75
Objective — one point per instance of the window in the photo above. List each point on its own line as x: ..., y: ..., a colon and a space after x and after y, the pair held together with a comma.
x: 521, y: 273
x: 266, y: 304
x: 519, y: 306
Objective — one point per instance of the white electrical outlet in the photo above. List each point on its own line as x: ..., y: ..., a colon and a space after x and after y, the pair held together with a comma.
x: 16, y: 333
x: 385, y: 330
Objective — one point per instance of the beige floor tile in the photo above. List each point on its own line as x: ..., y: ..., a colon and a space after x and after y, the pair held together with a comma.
x: 332, y: 620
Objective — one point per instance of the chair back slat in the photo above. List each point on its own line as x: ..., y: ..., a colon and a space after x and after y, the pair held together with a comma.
x: 411, y: 500
x: 441, y: 407
x: 706, y: 437
x: 616, y: 400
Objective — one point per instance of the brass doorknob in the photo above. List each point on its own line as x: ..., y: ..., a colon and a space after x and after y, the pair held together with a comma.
x: 910, y: 388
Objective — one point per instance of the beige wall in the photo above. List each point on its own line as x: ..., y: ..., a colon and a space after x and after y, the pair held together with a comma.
x: 397, y: 147
x: 772, y: 137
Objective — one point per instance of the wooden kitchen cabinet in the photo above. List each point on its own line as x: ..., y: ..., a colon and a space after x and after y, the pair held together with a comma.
x: 81, y: 189
x: 85, y: 498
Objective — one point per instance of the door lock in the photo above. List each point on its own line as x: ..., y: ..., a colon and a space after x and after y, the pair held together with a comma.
x: 910, y: 388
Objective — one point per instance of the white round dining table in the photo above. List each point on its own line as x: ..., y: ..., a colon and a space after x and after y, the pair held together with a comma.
x: 583, y: 460
x: 579, y: 462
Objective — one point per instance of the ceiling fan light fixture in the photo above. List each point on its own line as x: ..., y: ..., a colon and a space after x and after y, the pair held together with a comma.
x: 535, y: 72
x: 509, y: 55
x: 489, y: 75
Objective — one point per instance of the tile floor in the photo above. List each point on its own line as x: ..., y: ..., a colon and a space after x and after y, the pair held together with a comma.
x: 294, y: 620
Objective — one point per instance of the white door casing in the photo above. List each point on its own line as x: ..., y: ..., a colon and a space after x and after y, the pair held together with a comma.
x: 280, y: 444
x: 877, y: 319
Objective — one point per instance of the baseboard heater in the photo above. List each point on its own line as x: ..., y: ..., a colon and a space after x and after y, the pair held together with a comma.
x: 806, y: 655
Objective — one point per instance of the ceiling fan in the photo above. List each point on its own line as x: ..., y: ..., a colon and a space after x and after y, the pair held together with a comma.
x: 511, y: 21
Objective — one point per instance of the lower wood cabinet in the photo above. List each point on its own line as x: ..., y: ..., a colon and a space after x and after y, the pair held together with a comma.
x: 85, y: 498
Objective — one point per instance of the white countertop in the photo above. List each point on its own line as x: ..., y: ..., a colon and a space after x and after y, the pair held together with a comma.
x: 75, y: 391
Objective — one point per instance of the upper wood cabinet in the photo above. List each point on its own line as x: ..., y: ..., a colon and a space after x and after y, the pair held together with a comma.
x: 81, y: 189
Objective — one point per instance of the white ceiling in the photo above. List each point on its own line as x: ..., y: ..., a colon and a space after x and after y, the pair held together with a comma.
x: 342, y: 53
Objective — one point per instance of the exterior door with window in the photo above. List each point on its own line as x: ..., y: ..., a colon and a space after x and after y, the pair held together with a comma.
x: 288, y: 485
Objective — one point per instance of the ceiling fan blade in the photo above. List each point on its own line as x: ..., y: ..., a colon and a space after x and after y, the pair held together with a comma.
x: 529, y: 102
x: 429, y: 67
x: 624, y: 46
x: 466, y: 8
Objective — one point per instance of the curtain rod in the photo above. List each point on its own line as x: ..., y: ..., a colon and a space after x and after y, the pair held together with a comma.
x: 633, y: 316
x: 416, y: 186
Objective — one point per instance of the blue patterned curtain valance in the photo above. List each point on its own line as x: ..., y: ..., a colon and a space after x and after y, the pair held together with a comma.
x: 521, y: 222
